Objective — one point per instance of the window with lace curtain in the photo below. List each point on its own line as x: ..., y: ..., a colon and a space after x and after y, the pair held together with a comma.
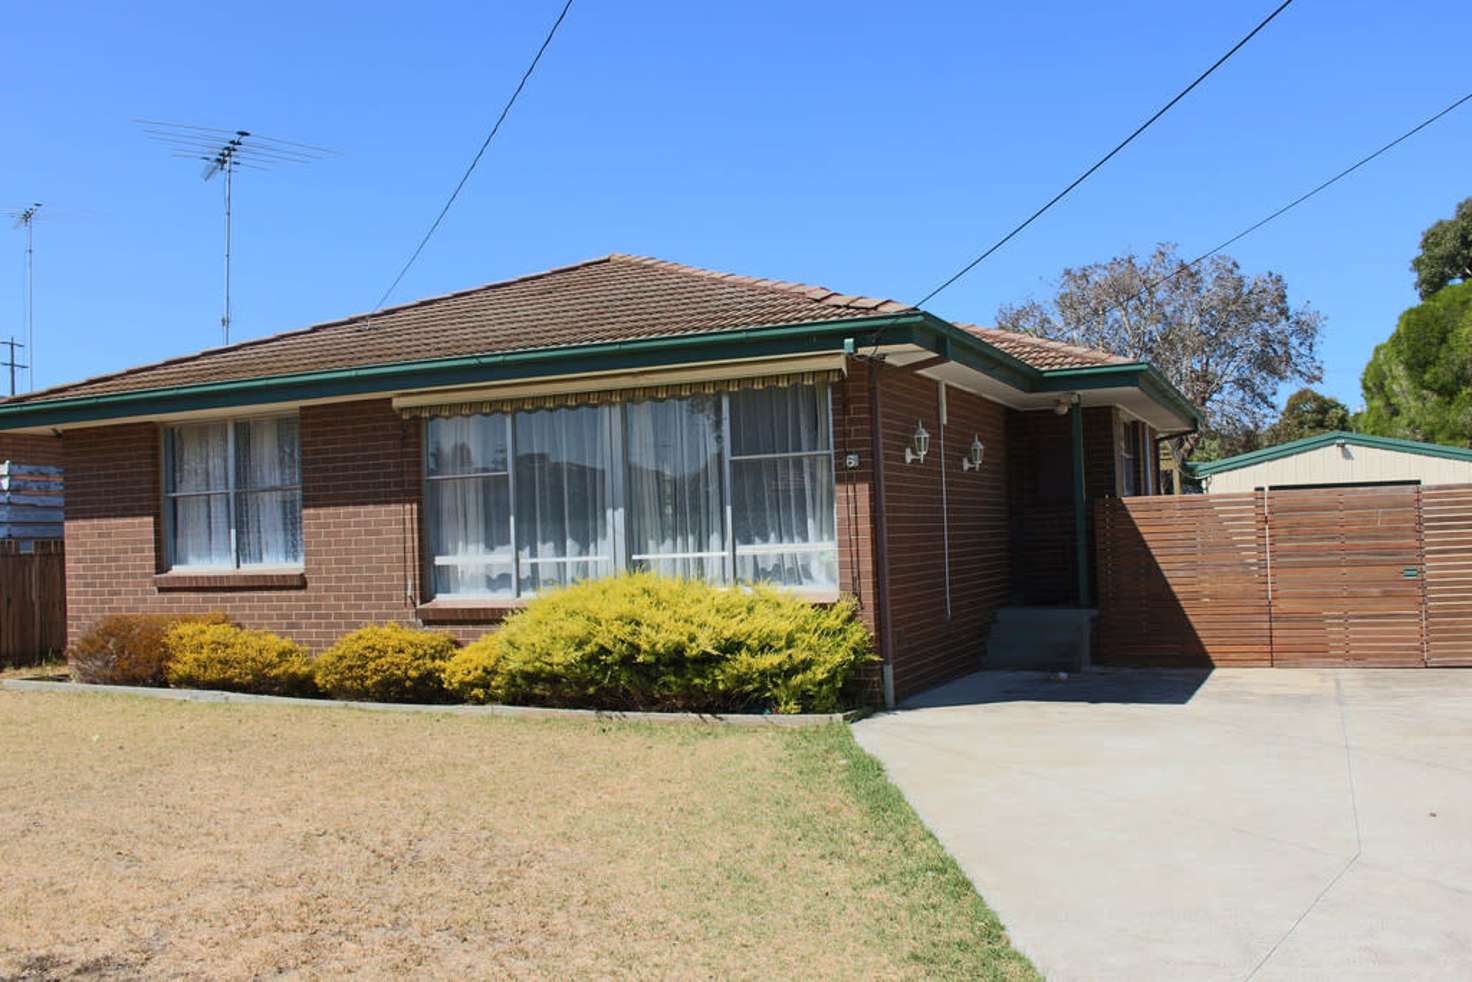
x: 232, y: 494
x: 730, y: 487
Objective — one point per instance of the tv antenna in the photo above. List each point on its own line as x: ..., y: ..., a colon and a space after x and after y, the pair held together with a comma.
x: 224, y: 152
x: 26, y: 218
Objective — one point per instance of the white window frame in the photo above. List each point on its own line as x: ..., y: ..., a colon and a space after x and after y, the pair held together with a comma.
x: 619, y: 555
x: 230, y: 491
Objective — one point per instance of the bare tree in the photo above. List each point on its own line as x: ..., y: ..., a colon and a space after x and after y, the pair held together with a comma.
x: 1226, y: 340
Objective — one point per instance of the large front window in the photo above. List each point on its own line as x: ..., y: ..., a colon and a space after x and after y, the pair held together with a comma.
x: 232, y: 494
x: 727, y: 487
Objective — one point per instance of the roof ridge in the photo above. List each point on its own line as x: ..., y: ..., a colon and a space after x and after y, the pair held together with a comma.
x: 818, y: 294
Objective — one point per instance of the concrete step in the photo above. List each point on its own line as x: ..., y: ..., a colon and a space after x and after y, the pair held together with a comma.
x: 1040, y: 639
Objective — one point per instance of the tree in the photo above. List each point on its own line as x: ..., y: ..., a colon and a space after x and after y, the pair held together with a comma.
x: 1418, y: 384
x: 1446, y: 252
x: 1214, y: 445
x: 1307, y: 413
x: 1227, y: 341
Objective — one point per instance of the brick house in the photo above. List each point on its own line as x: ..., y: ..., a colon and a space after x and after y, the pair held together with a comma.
x: 440, y: 461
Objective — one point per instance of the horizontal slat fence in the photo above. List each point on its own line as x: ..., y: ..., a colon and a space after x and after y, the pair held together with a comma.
x: 1345, y: 577
x: 1337, y: 576
x: 1181, y: 581
x: 1446, y: 521
x: 32, y: 600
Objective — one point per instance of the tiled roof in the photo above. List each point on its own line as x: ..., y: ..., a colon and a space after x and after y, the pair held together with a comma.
x: 613, y: 298
x: 1043, y: 353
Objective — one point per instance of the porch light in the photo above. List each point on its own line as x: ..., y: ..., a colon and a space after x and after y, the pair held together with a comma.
x: 972, y: 460
x: 919, y: 445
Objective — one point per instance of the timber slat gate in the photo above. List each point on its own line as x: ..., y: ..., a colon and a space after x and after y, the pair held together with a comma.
x: 32, y: 600
x: 1370, y: 576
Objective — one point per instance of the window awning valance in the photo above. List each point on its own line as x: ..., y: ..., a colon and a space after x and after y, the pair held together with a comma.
x: 634, y: 387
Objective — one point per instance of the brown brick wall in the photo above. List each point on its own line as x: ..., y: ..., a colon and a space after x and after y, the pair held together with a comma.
x: 360, y: 504
x: 31, y: 448
x: 930, y: 644
x: 360, y: 493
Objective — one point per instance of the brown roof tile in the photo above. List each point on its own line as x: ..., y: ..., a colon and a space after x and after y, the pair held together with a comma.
x: 613, y: 298
x: 1043, y: 353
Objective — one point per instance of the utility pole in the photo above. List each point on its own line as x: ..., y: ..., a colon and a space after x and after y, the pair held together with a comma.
x: 10, y: 362
x: 27, y: 218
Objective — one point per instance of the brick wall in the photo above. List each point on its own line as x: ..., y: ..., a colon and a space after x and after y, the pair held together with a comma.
x: 360, y: 492
x: 852, y: 412
x: 932, y: 644
x: 360, y: 525
x: 31, y: 448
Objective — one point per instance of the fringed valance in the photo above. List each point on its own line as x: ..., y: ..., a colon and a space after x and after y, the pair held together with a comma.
x: 526, y: 402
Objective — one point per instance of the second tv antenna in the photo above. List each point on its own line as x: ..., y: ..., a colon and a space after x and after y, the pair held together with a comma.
x: 224, y: 152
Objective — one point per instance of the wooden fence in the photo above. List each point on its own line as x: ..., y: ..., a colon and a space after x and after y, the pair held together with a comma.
x: 32, y: 600
x: 1376, y: 576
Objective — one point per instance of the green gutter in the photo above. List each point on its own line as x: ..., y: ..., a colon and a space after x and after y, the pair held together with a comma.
x: 1326, y: 440
x: 918, y: 328
x: 1132, y: 375
x: 466, y: 370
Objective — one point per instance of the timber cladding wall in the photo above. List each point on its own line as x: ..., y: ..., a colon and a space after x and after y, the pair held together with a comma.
x: 1331, y: 577
x: 932, y: 643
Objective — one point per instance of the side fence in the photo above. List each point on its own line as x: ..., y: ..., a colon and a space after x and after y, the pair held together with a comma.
x: 1336, y: 576
x: 32, y: 564
x: 32, y: 600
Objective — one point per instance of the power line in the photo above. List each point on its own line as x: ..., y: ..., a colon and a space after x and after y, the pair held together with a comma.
x: 1106, y: 158
x: 1288, y: 207
x: 478, y: 154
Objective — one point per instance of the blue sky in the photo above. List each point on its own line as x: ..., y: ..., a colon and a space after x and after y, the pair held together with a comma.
x: 872, y: 148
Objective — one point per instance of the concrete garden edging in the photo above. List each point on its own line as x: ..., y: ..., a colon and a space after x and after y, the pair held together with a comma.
x: 778, y: 720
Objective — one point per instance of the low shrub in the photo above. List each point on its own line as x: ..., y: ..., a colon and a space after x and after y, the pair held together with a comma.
x: 128, y: 649
x: 649, y: 643
x: 223, y: 656
x: 386, y: 663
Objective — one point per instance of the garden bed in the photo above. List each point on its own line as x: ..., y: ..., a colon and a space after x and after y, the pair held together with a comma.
x: 59, y: 683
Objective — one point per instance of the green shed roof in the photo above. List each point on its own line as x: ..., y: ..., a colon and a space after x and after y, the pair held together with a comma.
x: 1326, y: 440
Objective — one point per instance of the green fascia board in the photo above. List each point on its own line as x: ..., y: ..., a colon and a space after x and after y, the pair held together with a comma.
x: 804, y: 338
x: 918, y: 328
x: 967, y: 349
x: 1137, y: 375
x: 1325, y: 440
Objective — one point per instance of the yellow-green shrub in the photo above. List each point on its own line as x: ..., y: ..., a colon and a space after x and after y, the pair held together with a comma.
x: 223, y: 656
x: 386, y: 663
x: 645, y: 642
x: 128, y: 649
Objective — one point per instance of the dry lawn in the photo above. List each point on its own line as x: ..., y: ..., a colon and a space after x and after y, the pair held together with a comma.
x: 151, y: 838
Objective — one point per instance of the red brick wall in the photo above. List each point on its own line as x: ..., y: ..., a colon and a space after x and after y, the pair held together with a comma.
x: 31, y: 448
x: 360, y: 506
x: 360, y: 493
x: 931, y: 644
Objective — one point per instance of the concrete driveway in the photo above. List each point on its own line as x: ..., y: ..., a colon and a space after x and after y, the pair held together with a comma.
x: 1246, y: 824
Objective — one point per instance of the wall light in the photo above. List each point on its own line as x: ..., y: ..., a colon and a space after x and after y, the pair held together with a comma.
x: 919, y: 445
x: 972, y: 460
